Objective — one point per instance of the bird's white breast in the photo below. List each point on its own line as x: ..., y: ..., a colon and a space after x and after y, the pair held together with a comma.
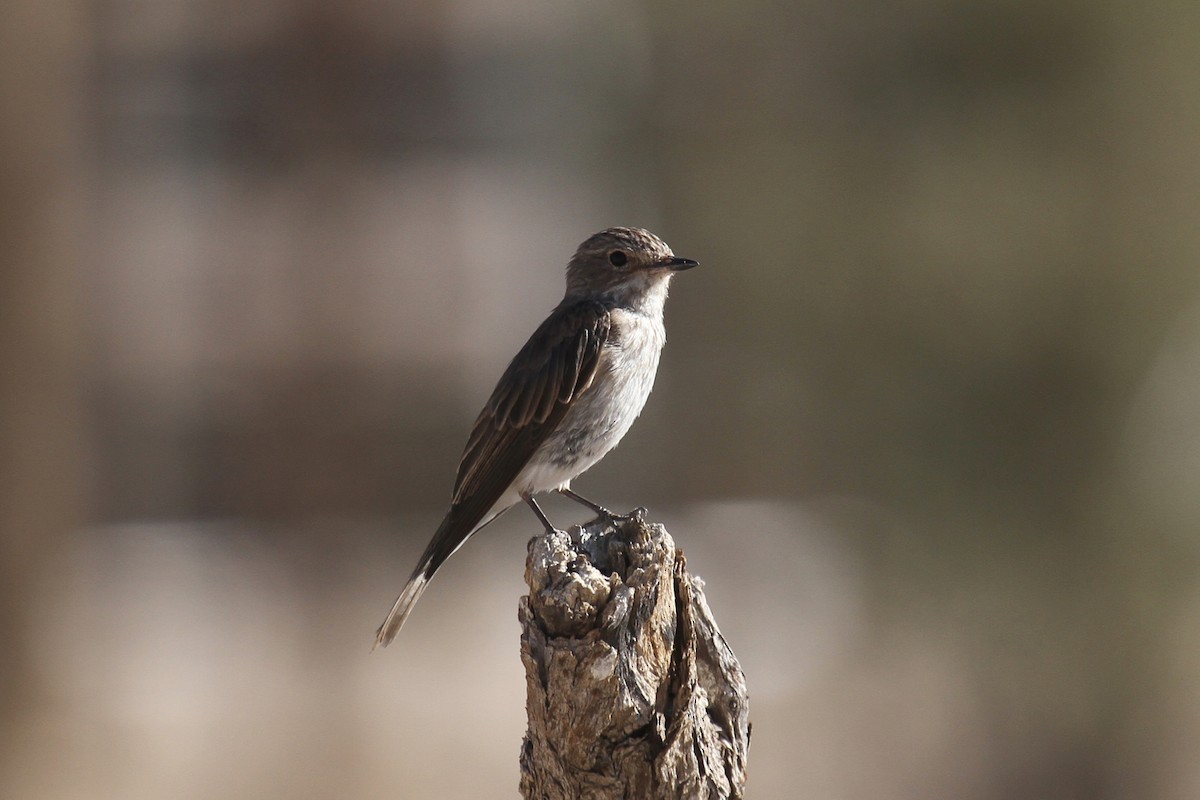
x: 603, y: 414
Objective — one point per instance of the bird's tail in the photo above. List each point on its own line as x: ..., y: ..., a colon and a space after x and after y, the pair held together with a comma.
x: 458, y: 526
x: 403, y: 607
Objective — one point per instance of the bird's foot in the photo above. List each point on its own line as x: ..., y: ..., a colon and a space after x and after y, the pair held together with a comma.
x: 603, y: 513
x: 637, y: 515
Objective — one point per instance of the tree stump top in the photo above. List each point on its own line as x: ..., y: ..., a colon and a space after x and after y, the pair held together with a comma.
x: 631, y: 689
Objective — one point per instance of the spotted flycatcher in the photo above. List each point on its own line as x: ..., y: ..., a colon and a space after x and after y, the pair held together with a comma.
x: 567, y: 398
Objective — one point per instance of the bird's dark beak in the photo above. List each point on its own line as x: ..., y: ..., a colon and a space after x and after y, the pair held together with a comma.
x: 678, y: 264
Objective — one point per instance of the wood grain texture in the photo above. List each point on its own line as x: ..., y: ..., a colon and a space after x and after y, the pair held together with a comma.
x: 631, y: 689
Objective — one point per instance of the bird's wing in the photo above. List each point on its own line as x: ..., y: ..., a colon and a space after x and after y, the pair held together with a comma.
x: 555, y: 366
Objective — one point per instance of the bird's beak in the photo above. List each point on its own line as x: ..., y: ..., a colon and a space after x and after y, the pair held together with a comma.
x: 678, y: 264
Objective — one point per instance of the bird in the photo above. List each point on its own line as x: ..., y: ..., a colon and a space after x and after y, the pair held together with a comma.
x: 565, y: 400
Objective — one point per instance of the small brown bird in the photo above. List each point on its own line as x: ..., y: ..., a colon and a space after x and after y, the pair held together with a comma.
x: 567, y: 398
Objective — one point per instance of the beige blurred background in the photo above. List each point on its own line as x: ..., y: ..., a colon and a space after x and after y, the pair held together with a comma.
x: 928, y: 422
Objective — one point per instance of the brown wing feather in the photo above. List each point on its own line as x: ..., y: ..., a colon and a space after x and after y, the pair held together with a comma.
x: 557, y: 363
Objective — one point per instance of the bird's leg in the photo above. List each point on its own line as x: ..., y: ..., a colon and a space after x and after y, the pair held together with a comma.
x: 538, y: 511
x: 583, y: 501
x: 637, y: 513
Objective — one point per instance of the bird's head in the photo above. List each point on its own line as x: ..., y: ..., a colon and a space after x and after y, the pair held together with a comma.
x: 630, y: 264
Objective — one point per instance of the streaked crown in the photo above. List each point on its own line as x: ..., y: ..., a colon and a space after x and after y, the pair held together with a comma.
x: 622, y: 261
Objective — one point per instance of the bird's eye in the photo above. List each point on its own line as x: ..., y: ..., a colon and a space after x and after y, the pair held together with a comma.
x: 618, y: 258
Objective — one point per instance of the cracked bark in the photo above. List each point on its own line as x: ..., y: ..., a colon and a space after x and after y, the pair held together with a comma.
x: 631, y: 689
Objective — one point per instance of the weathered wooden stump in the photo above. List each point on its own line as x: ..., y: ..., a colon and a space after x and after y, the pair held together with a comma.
x: 632, y: 691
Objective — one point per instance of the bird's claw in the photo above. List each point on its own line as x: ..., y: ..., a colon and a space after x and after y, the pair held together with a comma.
x: 637, y: 515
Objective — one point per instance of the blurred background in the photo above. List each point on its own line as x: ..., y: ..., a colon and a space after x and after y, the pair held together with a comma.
x: 928, y: 420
